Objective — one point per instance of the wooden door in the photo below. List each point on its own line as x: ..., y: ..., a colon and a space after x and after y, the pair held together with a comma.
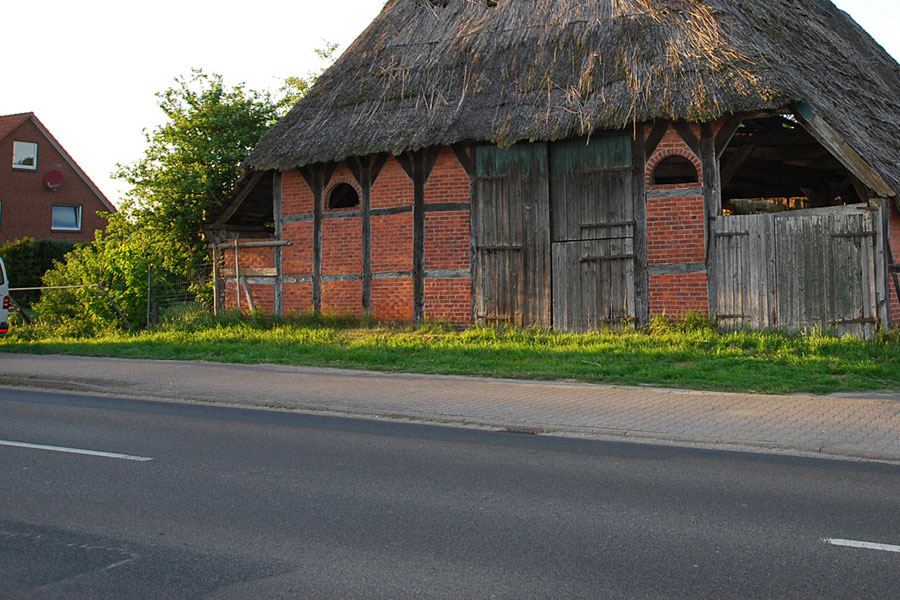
x: 511, y: 235
x: 593, y: 238
x: 796, y: 270
x: 826, y: 271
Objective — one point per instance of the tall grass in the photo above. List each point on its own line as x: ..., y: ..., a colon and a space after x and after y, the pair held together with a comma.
x: 689, y: 353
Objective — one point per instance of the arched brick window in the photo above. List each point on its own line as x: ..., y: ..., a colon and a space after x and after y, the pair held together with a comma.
x: 674, y: 169
x: 343, y: 195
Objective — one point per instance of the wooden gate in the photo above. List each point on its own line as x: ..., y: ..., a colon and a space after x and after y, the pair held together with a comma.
x: 511, y: 235
x: 796, y: 270
x: 593, y: 239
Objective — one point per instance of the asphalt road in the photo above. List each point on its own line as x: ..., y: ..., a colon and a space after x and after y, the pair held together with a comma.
x: 239, y: 503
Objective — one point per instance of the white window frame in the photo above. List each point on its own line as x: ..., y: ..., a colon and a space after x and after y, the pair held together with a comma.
x: 25, y: 167
x: 77, y: 208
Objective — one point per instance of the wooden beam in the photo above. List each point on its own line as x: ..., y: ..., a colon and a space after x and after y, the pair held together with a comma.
x: 690, y: 138
x: 734, y: 164
x: 317, y: 177
x: 726, y: 134
x: 659, y: 129
x: 639, y: 158
x: 465, y: 157
x: 418, y: 166
x: 366, y: 170
x: 239, y: 199
x: 828, y: 137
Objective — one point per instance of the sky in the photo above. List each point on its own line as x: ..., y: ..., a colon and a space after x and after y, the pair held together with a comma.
x: 90, y: 69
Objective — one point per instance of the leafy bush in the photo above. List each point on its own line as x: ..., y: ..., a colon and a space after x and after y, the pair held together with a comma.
x: 26, y: 262
x: 118, y: 259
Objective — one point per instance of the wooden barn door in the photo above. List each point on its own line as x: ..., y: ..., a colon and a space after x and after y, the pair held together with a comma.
x: 593, y: 237
x: 796, y: 270
x: 511, y: 235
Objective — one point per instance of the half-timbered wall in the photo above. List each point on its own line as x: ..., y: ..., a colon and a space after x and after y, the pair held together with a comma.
x: 676, y: 235
x: 340, y: 253
x: 895, y: 251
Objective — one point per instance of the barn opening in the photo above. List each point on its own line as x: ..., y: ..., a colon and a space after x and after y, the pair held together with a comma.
x: 773, y: 165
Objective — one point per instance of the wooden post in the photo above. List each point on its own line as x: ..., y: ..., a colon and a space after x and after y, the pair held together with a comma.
x: 366, y: 170
x: 217, y: 297
x: 466, y: 157
x: 712, y: 202
x: 882, y: 286
x: 641, y: 277
x: 237, y: 273
x: 278, y: 307
x: 317, y: 177
x: 418, y: 166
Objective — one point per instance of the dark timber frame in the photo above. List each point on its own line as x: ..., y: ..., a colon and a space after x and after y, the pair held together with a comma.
x: 365, y: 170
x: 317, y: 177
x: 418, y: 166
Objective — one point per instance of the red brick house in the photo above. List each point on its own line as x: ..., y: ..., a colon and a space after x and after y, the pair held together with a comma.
x: 44, y: 194
x: 578, y: 164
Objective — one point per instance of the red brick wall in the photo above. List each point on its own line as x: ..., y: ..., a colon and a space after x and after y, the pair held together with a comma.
x: 676, y: 233
x: 449, y: 300
x: 447, y: 236
x: 341, y: 250
x: 26, y: 204
x: 263, y: 295
x: 297, y: 259
x: 675, y: 295
x: 895, y: 248
x: 296, y: 197
x: 392, y: 299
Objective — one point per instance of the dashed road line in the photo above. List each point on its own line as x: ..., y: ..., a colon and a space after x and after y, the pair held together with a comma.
x: 862, y: 545
x: 74, y: 451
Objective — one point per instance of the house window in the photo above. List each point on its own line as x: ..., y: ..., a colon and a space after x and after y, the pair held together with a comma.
x: 25, y: 155
x: 343, y: 195
x: 66, y: 218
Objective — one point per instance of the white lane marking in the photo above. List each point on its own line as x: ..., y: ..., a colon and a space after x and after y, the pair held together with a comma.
x: 862, y: 545
x: 75, y: 451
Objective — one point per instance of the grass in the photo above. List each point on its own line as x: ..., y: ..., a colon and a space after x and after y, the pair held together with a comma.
x: 689, y: 354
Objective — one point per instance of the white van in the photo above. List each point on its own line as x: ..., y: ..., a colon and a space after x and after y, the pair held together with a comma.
x: 5, y: 300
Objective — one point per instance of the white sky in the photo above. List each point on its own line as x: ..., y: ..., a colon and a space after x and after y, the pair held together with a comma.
x: 91, y: 74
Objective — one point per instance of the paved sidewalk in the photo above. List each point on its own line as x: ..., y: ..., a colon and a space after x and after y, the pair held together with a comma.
x: 864, y: 427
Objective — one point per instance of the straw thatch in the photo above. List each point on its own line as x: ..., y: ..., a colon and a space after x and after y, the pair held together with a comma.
x: 435, y: 72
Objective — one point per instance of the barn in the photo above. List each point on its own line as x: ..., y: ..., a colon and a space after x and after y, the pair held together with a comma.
x: 579, y: 164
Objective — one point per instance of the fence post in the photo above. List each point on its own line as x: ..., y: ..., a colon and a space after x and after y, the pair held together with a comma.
x: 149, y: 278
x: 116, y: 307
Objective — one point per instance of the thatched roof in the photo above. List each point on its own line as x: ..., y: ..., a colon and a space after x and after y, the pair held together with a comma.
x: 434, y: 72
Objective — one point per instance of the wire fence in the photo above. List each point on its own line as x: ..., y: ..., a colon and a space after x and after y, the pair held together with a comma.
x: 172, y: 297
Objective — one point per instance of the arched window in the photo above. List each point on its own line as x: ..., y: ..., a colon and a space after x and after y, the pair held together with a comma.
x: 674, y: 169
x: 343, y: 195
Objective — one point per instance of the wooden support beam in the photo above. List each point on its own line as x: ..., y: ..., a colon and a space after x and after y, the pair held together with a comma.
x: 239, y: 199
x: 659, y: 129
x: 734, y: 164
x: 726, y: 134
x: 418, y: 166
x: 828, y: 137
x: 366, y: 170
x: 317, y: 177
x: 639, y: 157
x: 466, y: 158
x: 278, y: 306
x: 690, y: 138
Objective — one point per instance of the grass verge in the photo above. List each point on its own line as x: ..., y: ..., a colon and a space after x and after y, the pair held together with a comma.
x: 688, y: 354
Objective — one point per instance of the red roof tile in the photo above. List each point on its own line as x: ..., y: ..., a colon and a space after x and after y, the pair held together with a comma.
x: 8, y: 123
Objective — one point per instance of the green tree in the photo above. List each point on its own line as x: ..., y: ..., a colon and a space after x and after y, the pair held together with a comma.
x: 192, y: 161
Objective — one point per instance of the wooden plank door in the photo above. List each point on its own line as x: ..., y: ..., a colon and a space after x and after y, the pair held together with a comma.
x: 593, y: 239
x: 795, y: 270
x: 825, y: 265
x: 742, y: 272
x: 511, y: 235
